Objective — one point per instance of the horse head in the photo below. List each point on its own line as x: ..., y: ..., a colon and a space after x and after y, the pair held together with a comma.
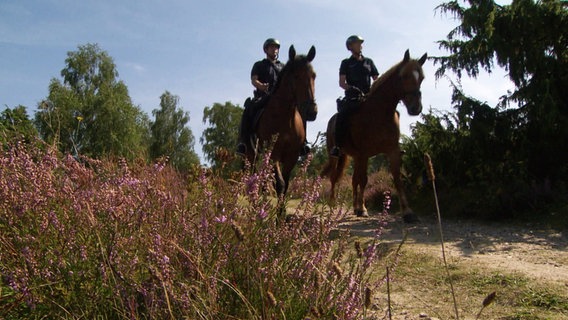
x: 301, y: 76
x: 411, y: 76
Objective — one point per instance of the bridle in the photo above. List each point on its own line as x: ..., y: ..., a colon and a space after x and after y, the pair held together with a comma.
x: 415, y: 95
x: 304, y: 104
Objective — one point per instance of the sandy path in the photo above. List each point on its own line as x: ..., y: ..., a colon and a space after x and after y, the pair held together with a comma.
x: 540, y: 254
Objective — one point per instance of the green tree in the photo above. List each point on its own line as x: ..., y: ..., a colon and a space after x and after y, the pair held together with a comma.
x: 222, y: 132
x: 527, y: 38
x: 16, y: 125
x: 498, y: 161
x: 90, y: 112
x: 170, y: 135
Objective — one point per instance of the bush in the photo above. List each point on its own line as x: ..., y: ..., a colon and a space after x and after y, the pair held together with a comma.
x: 86, y: 238
x: 379, y: 184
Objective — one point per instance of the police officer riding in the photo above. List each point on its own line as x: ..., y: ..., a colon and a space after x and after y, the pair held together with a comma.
x: 263, y: 77
x: 355, y: 74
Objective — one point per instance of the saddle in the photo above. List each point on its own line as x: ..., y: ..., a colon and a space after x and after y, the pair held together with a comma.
x: 255, y: 109
x: 349, y: 104
x: 346, y: 106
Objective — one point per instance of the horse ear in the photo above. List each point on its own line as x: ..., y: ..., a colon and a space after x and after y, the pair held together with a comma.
x: 311, y: 54
x: 291, y: 53
x: 406, y: 56
x: 423, y: 59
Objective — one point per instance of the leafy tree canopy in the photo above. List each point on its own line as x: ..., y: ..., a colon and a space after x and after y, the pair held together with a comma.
x: 90, y: 112
x: 170, y: 135
x: 16, y: 125
x: 510, y: 157
x: 222, y: 131
x: 527, y: 38
x: 219, y: 138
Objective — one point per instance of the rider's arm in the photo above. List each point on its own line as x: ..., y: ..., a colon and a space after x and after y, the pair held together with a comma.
x: 257, y: 84
x: 343, y: 82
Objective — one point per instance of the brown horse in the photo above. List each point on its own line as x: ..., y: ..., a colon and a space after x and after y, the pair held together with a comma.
x: 373, y: 128
x: 281, y: 118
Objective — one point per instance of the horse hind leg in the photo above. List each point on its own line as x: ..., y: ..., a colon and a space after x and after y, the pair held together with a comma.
x: 333, y: 179
x: 359, y: 182
x: 334, y: 170
x: 395, y: 161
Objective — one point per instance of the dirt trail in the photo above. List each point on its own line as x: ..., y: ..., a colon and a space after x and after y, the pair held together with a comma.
x: 536, y: 253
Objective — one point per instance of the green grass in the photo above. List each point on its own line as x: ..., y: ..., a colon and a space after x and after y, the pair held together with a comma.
x: 421, y: 285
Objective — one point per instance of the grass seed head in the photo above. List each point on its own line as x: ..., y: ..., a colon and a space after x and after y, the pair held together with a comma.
x: 429, y: 167
x: 368, y: 295
x: 489, y: 299
x: 271, y: 299
x: 337, y: 270
x: 358, y: 249
x: 238, y: 232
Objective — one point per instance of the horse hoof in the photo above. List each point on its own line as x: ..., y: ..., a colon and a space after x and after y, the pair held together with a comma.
x: 410, y: 218
x: 361, y: 213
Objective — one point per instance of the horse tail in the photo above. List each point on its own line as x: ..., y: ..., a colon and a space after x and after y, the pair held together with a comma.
x: 331, y: 163
x: 340, y: 168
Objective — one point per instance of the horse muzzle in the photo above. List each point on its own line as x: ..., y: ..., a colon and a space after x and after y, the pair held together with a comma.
x: 309, y: 110
x: 415, y: 109
x: 413, y: 102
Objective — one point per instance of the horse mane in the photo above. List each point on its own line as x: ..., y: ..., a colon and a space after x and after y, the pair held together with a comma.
x: 384, y: 77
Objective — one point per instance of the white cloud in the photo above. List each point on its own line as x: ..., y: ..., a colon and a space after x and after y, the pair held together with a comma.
x: 137, y: 68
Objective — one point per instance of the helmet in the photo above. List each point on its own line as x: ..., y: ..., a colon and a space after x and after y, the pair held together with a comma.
x: 352, y: 39
x: 270, y: 41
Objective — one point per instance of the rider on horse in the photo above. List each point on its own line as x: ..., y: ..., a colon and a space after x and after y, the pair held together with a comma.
x: 263, y: 76
x: 355, y: 75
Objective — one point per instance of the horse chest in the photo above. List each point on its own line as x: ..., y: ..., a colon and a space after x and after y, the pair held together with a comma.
x: 372, y: 137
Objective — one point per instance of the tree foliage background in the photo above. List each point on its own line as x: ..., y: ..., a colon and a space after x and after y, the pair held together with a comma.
x: 511, y: 158
x: 90, y: 112
x: 170, y: 135
x: 220, y: 136
x: 16, y: 125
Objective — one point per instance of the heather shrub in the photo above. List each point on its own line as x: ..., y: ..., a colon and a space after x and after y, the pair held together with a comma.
x: 83, y: 238
x: 379, y: 183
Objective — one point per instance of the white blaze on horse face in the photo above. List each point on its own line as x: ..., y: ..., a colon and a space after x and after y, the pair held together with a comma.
x: 416, y: 74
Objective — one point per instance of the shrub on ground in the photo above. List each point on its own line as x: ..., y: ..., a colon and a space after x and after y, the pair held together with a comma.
x: 89, y: 238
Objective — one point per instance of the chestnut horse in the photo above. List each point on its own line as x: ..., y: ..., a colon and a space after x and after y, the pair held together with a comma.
x: 373, y: 128
x: 281, y: 120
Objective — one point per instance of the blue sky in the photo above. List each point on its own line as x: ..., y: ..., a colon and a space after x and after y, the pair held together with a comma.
x: 202, y: 51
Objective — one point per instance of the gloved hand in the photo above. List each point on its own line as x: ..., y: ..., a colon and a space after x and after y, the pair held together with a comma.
x: 353, y: 92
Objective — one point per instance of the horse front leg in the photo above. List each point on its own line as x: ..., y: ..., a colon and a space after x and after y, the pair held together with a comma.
x: 334, y: 176
x: 395, y: 162
x: 280, y: 184
x: 359, y: 183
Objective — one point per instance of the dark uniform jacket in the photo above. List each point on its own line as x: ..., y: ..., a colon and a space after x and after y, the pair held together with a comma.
x: 267, y: 72
x: 358, y: 73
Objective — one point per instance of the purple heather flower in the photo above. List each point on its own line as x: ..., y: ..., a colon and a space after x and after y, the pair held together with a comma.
x: 262, y: 214
x: 221, y: 219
